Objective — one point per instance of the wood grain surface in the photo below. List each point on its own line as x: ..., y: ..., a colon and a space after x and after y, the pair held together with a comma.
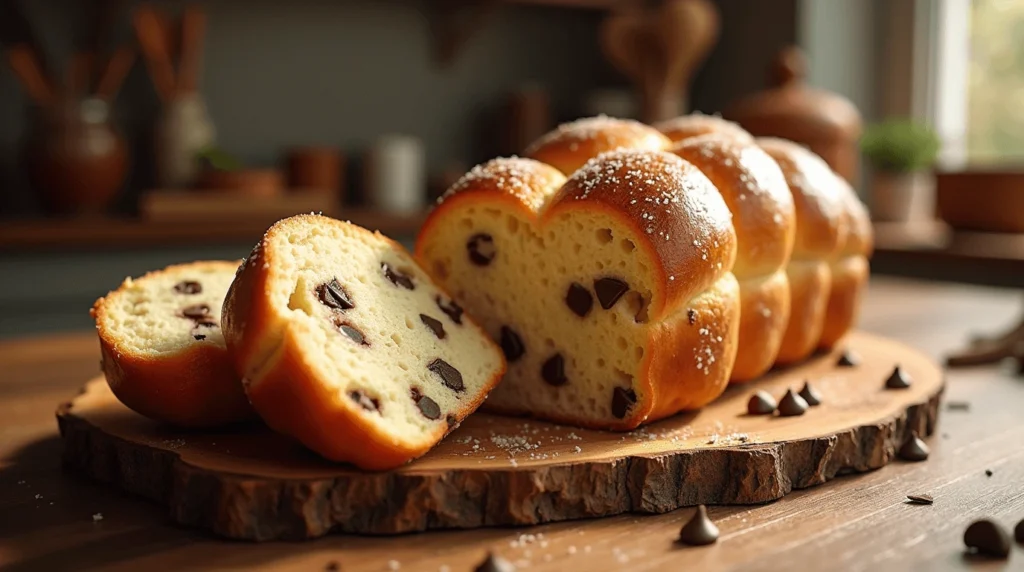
x: 857, y: 522
x: 249, y: 483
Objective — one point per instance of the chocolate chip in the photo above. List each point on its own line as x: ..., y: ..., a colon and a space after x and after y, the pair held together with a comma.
x: 511, y: 344
x: 691, y: 315
x: 435, y: 326
x: 428, y: 407
x: 353, y: 334
x: 196, y: 312
x: 578, y: 299
x: 898, y: 379
x: 553, y: 370
x: 332, y: 566
x: 810, y: 395
x: 188, y: 287
x: 792, y: 405
x: 761, y: 403
x: 494, y: 563
x: 848, y: 359
x: 397, y: 278
x: 699, y: 530
x: 609, y: 290
x: 206, y: 322
x: 1018, y: 532
x: 453, y: 310
x: 913, y: 449
x: 452, y: 422
x: 622, y: 401
x: 334, y: 296
x: 958, y: 406
x: 481, y: 249
x: 987, y: 538
x: 988, y: 472
x: 920, y: 499
x: 366, y: 402
x: 199, y: 337
x: 448, y: 374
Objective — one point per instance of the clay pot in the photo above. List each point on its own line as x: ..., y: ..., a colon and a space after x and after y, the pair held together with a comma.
x: 77, y: 160
x: 901, y: 197
x: 987, y: 201
x: 315, y: 168
x: 248, y: 182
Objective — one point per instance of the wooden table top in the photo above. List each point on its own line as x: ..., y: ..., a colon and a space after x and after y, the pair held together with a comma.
x: 50, y: 520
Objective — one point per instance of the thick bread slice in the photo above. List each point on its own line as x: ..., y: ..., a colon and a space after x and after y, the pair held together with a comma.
x: 756, y: 193
x: 821, y: 229
x: 611, y: 293
x: 163, y: 351
x: 347, y: 345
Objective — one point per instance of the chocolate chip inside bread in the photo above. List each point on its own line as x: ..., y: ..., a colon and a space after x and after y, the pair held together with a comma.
x: 427, y: 406
x: 363, y: 400
x: 511, y: 344
x: 553, y: 370
x: 481, y: 249
x: 451, y: 309
x: 434, y: 324
x: 622, y: 400
x: 579, y: 300
x: 448, y: 374
x: 188, y: 287
x: 352, y: 333
x: 196, y: 312
x: 334, y: 296
x: 609, y: 290
x: 397, y: 278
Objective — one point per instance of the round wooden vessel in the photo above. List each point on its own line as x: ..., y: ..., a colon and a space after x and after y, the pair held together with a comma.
x: 250, y: 483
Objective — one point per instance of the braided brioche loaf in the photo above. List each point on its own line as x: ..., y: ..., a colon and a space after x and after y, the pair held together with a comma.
x: 604, y: 320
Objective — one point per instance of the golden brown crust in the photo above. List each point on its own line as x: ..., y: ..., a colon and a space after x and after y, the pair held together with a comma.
x: 529, y: 182
x: 669, y: 202
x: 696, y: 124
x: 764, y: 315
x: 197, y: 387
x: 570, y: 145
x: 849, y: 279
x: 284, y: 387
x: 809, y: 284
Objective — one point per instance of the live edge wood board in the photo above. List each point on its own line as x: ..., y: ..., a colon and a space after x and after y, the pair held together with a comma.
x: 250, y: 483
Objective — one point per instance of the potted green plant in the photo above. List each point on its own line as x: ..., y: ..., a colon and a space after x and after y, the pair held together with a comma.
x: 902, y: 153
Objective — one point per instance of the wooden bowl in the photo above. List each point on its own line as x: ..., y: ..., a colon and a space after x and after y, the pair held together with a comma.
x: 248, y: 182
x: 989, y: 201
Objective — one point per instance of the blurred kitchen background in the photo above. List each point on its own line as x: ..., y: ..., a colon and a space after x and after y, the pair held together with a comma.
x: 138, y: 134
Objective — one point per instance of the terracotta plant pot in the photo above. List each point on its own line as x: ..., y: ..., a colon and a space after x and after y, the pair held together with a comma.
x: 901, y: 197
x: 77, y: 161
x: 249, y: 182
x: 988, y: 201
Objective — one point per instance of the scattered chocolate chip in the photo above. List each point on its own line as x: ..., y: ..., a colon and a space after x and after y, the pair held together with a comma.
x: 622, y: 401
x: 448, y: 374
x: 428, y: 407
x: 435, y: 326
x: 958, y: 406
x: 1018, y: 532
x: 196, y: 312
x: 494, y: 563
x: 481, y: 249
x: 199, y: 337
x: 913, y: 449
x: 761, y: 403
x: 452, y: 422
x: 353, y: 334
x: 578, y: 299
x: 188, y: 287
x: 366, y: 402
x: 453, y: 310
x: 397, y: 278
x: 987, y: 538
x: 691, y: 315
x: 792, y: 404
x: 699, y: 530
x: 511, y: 344
x: 553, y: 370
x: 988, y: 472
x: 609, y: 290
x: 920, y: 499
x: 848, y: 359
x: 332, y: 566
x: 898, y: 379
x: 334, y: 296
x: 810, y: 395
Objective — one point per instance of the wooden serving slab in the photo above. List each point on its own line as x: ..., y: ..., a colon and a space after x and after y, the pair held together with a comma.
x: 250, y: 483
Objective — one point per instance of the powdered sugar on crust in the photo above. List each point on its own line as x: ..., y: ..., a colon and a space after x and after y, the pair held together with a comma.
x: 685, y: 126
x: 612, y: 131
x: 532, y: 182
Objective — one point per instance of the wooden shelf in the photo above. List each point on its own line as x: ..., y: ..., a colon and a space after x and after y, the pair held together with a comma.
x: 126, y: 234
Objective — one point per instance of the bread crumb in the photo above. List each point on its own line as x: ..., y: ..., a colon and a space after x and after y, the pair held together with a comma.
x: 97, y: 517
x: 38, y: 496
x: 394, y: 565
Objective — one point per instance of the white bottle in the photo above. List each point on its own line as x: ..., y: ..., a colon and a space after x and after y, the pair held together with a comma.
x: 396, y: 175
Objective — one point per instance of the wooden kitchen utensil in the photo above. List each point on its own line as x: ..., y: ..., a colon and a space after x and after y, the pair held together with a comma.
x: 659, y: 49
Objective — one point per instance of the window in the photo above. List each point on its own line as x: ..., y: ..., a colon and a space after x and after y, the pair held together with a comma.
x: 995, y: 82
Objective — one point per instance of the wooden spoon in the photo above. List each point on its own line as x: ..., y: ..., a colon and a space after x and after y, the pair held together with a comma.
x: 153, y: 40
x: 28, y: 69
x: 193, y: 28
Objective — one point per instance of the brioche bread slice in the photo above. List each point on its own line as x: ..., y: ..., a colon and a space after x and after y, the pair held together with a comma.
x: 348, y: 346
x: 610, y: 292
x: 163, y: 351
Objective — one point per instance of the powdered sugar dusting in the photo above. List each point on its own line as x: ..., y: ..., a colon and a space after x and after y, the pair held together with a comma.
x: 529, y: 181
x: 612, y: 133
